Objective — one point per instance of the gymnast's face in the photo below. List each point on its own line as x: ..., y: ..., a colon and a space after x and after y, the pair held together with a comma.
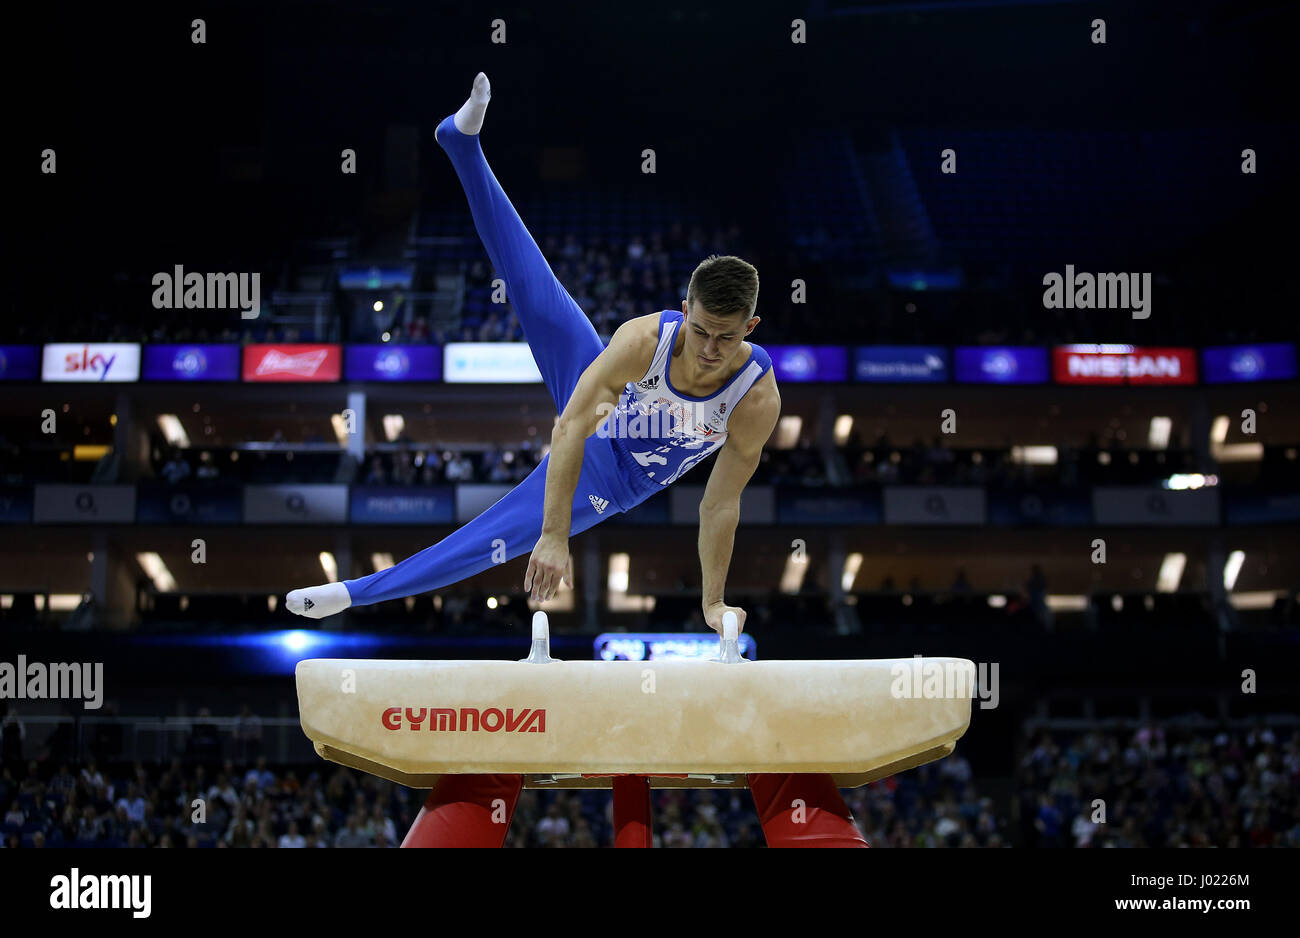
x: 713, y: 341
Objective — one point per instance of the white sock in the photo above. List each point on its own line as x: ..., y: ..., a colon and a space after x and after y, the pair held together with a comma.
x: 469, y: 119
x: 317, y: 602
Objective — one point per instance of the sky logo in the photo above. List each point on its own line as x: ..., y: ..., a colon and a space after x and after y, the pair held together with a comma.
x: 88, y: 362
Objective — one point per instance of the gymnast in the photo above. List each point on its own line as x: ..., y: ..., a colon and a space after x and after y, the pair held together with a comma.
x: 670, y: 389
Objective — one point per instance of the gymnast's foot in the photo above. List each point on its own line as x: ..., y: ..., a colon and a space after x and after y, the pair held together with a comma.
x: 317, y: 602
x: 469, y: 119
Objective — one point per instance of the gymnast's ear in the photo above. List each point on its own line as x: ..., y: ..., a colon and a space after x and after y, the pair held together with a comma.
x: 753, y: 321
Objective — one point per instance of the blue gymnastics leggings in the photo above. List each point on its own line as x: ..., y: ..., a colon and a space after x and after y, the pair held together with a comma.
x: 563, y: 344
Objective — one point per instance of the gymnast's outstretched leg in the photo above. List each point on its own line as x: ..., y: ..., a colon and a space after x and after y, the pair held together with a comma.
x: 504, y: 531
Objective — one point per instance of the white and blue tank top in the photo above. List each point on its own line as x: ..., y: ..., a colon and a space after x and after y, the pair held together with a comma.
x: 665, y: 432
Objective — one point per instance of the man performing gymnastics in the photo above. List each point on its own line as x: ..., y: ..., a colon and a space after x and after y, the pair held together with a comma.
x: 670, y: 389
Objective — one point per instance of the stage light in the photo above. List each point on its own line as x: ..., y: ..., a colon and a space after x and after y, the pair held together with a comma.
x: 340, y: 427
x: 852, y: 564
x: 796, y: 568
x: 1034, y: 455
x: 618, y: 573
x: 1232, y: 569
x: 173, y: 430
x: 1158, y: 434
x: 1171, y: 572
x: 787, y: 431
x: 157, y: 571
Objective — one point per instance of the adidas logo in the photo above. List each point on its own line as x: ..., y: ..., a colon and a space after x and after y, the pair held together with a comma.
x: 308, y: 604
x: 649, y: 384
x: 600, y: 504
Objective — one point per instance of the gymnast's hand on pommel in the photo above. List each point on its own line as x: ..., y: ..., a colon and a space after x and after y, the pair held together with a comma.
x: 548, y: 566
x: 713, y: 616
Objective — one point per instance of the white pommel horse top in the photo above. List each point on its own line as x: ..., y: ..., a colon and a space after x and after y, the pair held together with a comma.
x: 684, y: 723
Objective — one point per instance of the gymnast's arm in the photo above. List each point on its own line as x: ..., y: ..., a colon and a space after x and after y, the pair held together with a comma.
x: 750, y: 426
x: 594, y: 397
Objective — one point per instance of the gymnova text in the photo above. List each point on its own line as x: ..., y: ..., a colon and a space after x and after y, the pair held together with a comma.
x: 75, y: 891
x: 58, y: 681
x: 931, y: 679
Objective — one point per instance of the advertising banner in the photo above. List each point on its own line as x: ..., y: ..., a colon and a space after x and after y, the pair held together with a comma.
x: 1226, y: 364
x: 191, y: 363
x: 1001, y: 365
x: 796, y: 505
x: 910, y: 364
x: 385, y: 504
x: 91, y: 361
x: 161, y: 503
x: 15, y: 504
x: 489, y: 363
x: 906, y: 504
x: 472, y: 498
x: 1144, y: 505
x: 1123, y: 364
x: 295, y: 362
x: 375, y: 278
x: 393, y: 363
x: 295, y: 504
x: 20, y: 363
x: 1039, y: 507
x: 85, y: 504
x: 809, y: 362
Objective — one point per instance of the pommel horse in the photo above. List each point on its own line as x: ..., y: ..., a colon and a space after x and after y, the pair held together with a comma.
x: 475, y: 732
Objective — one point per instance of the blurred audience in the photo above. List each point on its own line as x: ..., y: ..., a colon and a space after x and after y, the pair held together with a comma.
x: 1159, y: 787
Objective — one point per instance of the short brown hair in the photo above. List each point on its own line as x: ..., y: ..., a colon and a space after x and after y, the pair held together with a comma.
x: 724, y: 286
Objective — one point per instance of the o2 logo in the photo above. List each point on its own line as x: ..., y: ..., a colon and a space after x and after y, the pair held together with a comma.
x: 392, y: 364
x: 799, y: 365
x: 190, y: 362
x: 999, y: 365
x: 1247, y: 365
